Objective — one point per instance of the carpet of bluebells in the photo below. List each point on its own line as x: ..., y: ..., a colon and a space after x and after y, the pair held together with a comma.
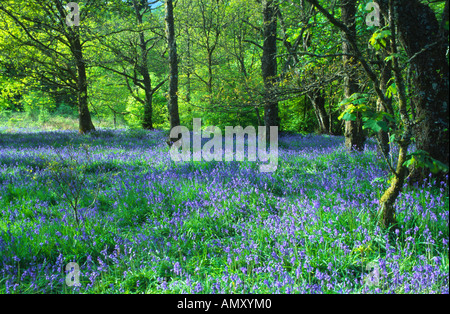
x: 151, y: 225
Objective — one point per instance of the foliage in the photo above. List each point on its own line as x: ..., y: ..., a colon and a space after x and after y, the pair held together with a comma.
x: 68, y: 171
x: 374, y: 120
x: 422, y: 159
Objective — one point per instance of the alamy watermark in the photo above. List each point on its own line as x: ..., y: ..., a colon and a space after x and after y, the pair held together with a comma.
x: 73, y: 274
x: 373, y: 17
x: 73, y: 17
x: 256, y: 144
x: 373, y: 278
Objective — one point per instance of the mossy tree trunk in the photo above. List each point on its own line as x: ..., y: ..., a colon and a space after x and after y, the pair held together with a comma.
x: 426, y: 42
x: 387, y: 217
x: 387, y: 201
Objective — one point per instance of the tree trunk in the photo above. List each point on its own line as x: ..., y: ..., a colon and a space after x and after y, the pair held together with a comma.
x: 387, y: 201
x: 269, y: 64
x: 444, y: 23
x: 172, y: 104
x: 425, y: 45
x: 384, y: 105
x: 354, y: 136
x: 189, y: 68
x: 318, y: 102
x: 85, y: 121
x: 142, y: 68
x: 210, y: 74
x: 147, y: 121
x: 382, y: 135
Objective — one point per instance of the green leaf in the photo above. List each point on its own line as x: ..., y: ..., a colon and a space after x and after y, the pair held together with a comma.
x: 348, y: 116
x: 378, y: 39
x: 409, y: 162
x: 385, y: 33
x: 379, y: 179
x: 391, y: 90
x: 356, y: 98
x: 392, y: 138
x: 422, y: 159
x: 376, y: 125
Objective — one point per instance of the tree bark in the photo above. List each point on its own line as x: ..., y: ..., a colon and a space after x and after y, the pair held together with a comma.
x: 318, y: 102
x: 354, y: 136
x: 142, y: 68
x: 269, y: 64
x: 85, y: 124
x: 172, y: 104
x: 382, y: 135
x: 424, y: 42
x: 384, y: 105
x: 444, y: 22
x: 147, y: 121
x: 387, y: 202
x: 189, y: 66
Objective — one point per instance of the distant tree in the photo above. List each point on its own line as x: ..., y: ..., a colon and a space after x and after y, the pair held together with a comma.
x: 309, y: 64
x: 384, y: 106
x: 134, y: 44
x: 172, y: 104
x: 354, y: 135
x: 269, y: 63
x: 141, y: 8
x: 42, y: 27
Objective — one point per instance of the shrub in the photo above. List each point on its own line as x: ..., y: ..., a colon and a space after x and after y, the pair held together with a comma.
x: 71, y: 178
